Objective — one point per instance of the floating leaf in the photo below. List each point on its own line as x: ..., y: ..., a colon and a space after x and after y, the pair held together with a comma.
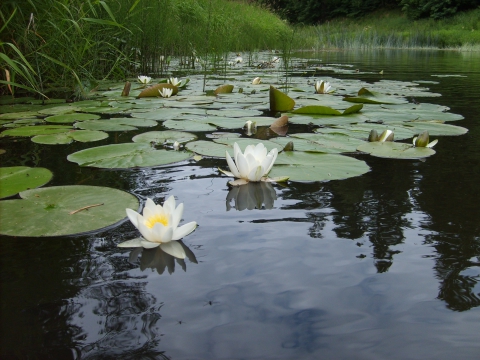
x: 316, y: 110
x: 280, y: 101
x: 103, y: 125
x: 208, y: 148
x: 19, y: 178
x: 435, y: 128
x: 371, y: 97
x: 161, y: 137
x: 154, y: 90
x: 127, y: 155
x: 68, y: 137
x: 395, y: 150
x: 64, y: 210
x: 71, y: 117
x: 36, y: 130
x: 304, y: 166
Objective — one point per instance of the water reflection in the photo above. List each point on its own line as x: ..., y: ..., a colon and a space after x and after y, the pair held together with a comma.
x: 253, y: 195
x: 157, y: 259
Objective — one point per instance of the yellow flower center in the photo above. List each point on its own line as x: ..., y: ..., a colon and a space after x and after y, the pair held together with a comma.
x: 157, y: 218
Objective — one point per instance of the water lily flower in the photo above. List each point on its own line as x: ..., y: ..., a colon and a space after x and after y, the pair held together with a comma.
x: 158, y: 225
x: 386, y: 135
x: 251, y: 127
x: 423, y: 139
x: 144, y: 79
x: 174, y: 81
x: 323, y: 87
x: 176, y: 145
x: 256, y: 81
x: 253, y: 165
x: 165, y: 92
x: 238, y: 60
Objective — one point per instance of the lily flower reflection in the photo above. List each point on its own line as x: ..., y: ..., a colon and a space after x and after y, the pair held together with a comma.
x: 386, y: 135
x: 165, y: 92
x: 423, y: 139
x: 160, y: 260
x: 251, y: 196
x: 159, y: 227
x: 323, y: 87
x: 174, y: 81
x: 253, y: 165
x: 144, y: 79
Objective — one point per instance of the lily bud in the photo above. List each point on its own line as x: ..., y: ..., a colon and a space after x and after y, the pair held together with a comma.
x: 386, y: 135
x: 423, y: 139
x: 373, y: 136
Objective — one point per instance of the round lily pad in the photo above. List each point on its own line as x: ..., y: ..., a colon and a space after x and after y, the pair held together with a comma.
x: 64, y: 210
x: 36, y: 130
x: 304, y: 166
x: 19, y: 178
x: 127, y: 155
x: 68, y: 137
x: 71, y: 118
x: 161, y: 137
x: 395, y: 150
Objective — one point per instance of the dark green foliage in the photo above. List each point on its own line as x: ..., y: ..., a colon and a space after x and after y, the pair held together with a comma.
x: 437, y: 9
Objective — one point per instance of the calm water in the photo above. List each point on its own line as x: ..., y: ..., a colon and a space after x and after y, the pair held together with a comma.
x: 381, y: 266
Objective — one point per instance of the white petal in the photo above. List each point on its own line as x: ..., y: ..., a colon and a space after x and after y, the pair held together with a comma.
x: 274, y: 153
x: 149, y: 245
x: 161, y: 233
x: 232, y: 166
x: 182, y: 231
x: 132, y: 215
x: 131, y: 243
x: 177, y: 216
x: 236, y: 151
x: 256, y: 174
x: 260, y: 151
x: 174, y: 248
x: 169, y: 204
x: 432, y: 144
x: 144, y: 230
x: 242, y: 165
x: 228, y: 173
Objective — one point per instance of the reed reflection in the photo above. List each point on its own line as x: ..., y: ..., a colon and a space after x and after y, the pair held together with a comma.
x: 253, y: 195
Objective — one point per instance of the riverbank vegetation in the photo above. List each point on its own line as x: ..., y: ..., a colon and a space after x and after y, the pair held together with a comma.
x: 72, y: 44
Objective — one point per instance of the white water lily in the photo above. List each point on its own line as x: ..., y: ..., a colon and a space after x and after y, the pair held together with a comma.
x: 256, y: 81
x: 423, y: 139
x: 176, y: 145
x: 174, y: 81
x: 253, y: 165
x: 238, y: 60
x: 165, y: 92
x: 386, y: 135
x: 158, y: 225
x: 144, y: 79
x: 251, y: 127
x: 323, y: 87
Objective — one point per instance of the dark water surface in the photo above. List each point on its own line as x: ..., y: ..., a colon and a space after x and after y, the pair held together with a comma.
x: 381, y: 266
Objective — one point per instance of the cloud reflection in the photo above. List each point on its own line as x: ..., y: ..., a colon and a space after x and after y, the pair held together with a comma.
x: 253, y: 195
x: 159, y: 260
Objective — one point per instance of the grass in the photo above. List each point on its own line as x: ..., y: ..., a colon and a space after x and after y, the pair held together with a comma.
x: 391, y: 29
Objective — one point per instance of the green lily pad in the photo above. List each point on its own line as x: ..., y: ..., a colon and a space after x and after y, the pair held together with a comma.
x: 103, y: 125
x: 56, y: 110
x: 64, y: 210
x: 188, y: 125
x: 161, y: 137
x: 332, y: 143
x: 316, y: 110
x: 68, y: 137
x: 435, y: 128
x: 361, y: 131
x: 71, y: 118
x: 208, y: 148
x: 304, y: 166
x: 395, y: 150
x: 36, y: 130
x: 280, y: 101
x: 372, y: 97
x: 19, y: 115
x: 127, y: 155
x: 19, y: 178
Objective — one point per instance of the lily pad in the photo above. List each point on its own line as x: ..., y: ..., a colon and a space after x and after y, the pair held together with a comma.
x: 371, y: 97
x: 395, y: 150
x: 36, y: 130
x: 208, y: 148
x: 68, y: 137
x: 71, y: 118
x: 161, y: 137
x: 103, y: 125
x: 154, y: 90
x: 304, y: 166
x: 127, y: 155
x: 435, y: 128
x: 19, y: 178
x: 64, y: 210
x: 280, y: 101
x: 188, y: 125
